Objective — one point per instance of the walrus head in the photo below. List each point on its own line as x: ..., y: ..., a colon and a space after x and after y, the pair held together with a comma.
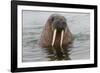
x: 58, y: 24
x: 56, y: 34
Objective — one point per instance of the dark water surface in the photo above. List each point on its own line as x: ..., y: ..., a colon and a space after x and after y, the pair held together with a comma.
x: 33, y: 23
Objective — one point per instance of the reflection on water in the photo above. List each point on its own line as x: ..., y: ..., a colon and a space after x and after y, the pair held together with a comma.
x: 57, y: 54
x: 79, y: 26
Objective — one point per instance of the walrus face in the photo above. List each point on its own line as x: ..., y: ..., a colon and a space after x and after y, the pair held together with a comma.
x: 58, y: 25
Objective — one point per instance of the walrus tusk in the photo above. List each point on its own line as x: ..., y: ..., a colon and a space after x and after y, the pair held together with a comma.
x: 62, y: 35
x: 54, y: 36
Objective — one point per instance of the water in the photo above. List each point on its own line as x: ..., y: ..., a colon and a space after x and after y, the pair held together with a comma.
x: 33, y: 23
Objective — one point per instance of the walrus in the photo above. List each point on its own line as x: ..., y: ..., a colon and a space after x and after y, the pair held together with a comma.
x: 56, y: 33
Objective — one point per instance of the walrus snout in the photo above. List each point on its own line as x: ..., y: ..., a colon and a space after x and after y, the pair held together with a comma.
x: 59, y: 25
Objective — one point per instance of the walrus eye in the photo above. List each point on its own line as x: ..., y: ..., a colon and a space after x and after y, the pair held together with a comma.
x: 54, y: 36
x: 51, y: 19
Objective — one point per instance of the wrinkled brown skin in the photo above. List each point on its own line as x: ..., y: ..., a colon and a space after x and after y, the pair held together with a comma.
x: 47, y: 35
